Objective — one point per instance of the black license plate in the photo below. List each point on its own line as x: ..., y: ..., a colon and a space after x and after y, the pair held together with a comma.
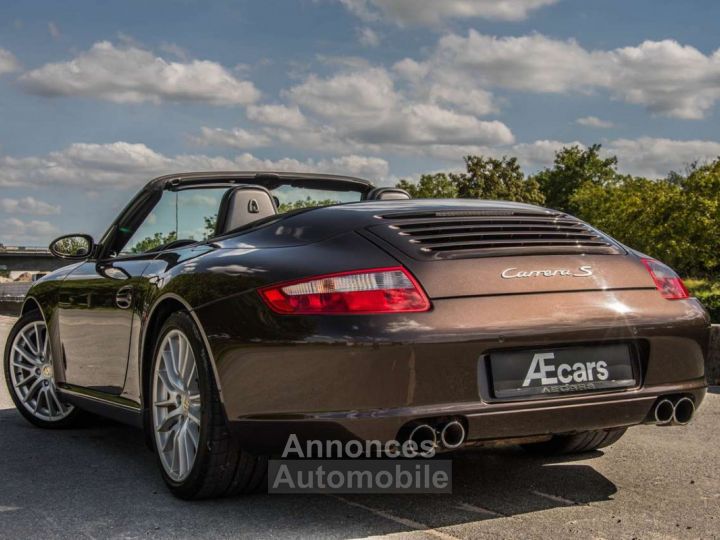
x: 546, y: 372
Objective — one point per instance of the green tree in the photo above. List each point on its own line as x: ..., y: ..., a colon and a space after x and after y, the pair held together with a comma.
x: 154, y: 241
x: 430, y: 186
x: 485, y: 178
x: 210, y: 223
x: 497, y: 179
x: 573, y: 168
x: 674, y: 219
x: 304, y: 203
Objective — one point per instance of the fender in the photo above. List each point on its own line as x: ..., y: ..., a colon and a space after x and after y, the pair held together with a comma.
x: 134, y: 380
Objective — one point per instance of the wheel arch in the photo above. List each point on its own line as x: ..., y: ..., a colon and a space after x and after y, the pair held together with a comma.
x: 161, y: 310
x: 31, y: 304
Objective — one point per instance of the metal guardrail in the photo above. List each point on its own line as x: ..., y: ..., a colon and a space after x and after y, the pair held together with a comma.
x: 14, y: 291
x: 12, y: 296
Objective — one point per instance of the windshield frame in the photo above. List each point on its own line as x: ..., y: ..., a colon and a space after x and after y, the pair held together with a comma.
x: 140, y: 206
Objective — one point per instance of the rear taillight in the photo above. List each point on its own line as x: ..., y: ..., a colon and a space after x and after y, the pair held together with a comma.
x: 666, y: 280
x: 379, y: 290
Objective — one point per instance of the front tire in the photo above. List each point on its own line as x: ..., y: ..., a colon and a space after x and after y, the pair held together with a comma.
x: 577, y: 443
x: 198, y: 456
x: 30, y: 376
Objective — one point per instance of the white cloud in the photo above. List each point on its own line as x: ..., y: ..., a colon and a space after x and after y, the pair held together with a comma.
x: 434, y: 12
x: 532, y: 63
x: 358, y: 109
x: 594, y: 121
x: 28, y: 205
x: 364, y: 107
x: 175, y: 50
x: 646, y: 156
x: 276, y: 115
x: 20, y: 232
x: 656, y: 157
x: 129, y: 74
x: 472, y: 100
x: 368, y: 37
x: 8, y: 62
x: 54, y: 30
x: 372, y: 168
x: 666, y: 77
x: 122, y: 165
x: 353, y: 95
x: 231, y: 138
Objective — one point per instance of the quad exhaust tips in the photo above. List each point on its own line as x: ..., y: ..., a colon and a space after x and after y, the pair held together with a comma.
x: 447, y: 435
x: 452, y: 435
x: 674, y: 411
x: 423, y: 433
x: 684, y: 411
x: 664, y: 412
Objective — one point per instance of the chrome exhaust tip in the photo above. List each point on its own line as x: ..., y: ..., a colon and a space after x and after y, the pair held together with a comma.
x: 664, y: 412
x: 452, y: 435
x: 423, y: 433
x: 683, y: 411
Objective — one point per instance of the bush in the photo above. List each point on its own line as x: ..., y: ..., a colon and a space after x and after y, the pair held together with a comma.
x: 708, y: 292
x: 711, y: 301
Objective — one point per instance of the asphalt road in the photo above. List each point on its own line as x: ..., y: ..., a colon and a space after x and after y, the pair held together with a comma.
x: 102, y: 482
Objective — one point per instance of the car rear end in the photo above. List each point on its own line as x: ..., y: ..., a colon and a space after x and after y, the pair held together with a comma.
x: 533, y: 324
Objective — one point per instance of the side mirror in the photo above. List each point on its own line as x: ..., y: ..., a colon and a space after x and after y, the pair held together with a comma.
x: 73, y: 246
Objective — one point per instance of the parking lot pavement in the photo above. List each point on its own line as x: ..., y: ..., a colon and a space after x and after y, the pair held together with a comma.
x: 102, y: 482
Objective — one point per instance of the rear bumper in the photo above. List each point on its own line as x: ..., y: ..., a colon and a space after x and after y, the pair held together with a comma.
x: 365, y: 377
x: 485, y: 422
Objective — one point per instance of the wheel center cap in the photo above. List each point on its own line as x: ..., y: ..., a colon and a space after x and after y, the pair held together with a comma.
x: 46, y: 371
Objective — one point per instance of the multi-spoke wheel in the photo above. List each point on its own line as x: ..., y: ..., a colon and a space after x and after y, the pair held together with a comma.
x: 199, y: 458
x: 176, y: 405
x: 30, y: 375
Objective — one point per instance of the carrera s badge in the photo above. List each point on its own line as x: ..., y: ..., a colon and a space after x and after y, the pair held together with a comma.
x: 511, y: 273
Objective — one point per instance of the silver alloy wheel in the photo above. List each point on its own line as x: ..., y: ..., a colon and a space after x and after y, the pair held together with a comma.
x: 176, y: 406
x: 32, y: 375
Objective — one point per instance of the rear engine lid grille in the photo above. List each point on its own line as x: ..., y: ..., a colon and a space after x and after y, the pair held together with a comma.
x: 491, y: 233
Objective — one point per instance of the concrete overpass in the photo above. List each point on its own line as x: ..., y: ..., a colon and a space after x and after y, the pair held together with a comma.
x: 27, y: 259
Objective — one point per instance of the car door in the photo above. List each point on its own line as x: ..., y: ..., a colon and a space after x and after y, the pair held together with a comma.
x: 101, y: 303
x: 96, y: 306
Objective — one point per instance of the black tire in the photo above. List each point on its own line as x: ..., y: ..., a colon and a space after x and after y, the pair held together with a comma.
x: 577, y: 443
x: 221, y: 467
x: 72, y: 419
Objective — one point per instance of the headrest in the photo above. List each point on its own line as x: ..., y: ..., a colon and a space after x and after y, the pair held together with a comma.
x: 242, y: 205
x: 388, y: 194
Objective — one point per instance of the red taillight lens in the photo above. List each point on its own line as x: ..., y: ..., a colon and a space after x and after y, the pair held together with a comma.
x: 666, y: 280
x: 379, y: 290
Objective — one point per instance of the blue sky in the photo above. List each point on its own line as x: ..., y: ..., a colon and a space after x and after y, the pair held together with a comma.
x: 97, y: 97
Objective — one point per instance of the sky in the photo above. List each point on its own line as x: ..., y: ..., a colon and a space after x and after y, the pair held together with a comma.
x: 97, y: 98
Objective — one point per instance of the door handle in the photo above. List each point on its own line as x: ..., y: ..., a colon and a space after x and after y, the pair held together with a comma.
x: 124, y: 297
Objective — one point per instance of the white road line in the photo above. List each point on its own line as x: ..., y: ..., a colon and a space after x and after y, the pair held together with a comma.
x: 478, y: 510
x: 555, y: 498
x: 416, y: 525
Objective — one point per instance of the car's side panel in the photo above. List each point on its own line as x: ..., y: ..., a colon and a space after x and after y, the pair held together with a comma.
x: 95, y: 314
x: 199, y: 276
x: 44, y: 293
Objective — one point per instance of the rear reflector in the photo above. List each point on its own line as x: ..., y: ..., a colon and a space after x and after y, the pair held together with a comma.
x: 666, y: 280
x: 379, y: 290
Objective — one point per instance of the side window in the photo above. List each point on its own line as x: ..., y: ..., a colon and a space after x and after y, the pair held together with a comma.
x: 189, y: 214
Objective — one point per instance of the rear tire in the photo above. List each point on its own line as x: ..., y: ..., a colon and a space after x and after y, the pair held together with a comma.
x: 216, y: 466
x: 30, y: 376
x: 578, y: 443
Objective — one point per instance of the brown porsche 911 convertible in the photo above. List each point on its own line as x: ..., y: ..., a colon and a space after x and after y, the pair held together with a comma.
x: 224, y: 312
